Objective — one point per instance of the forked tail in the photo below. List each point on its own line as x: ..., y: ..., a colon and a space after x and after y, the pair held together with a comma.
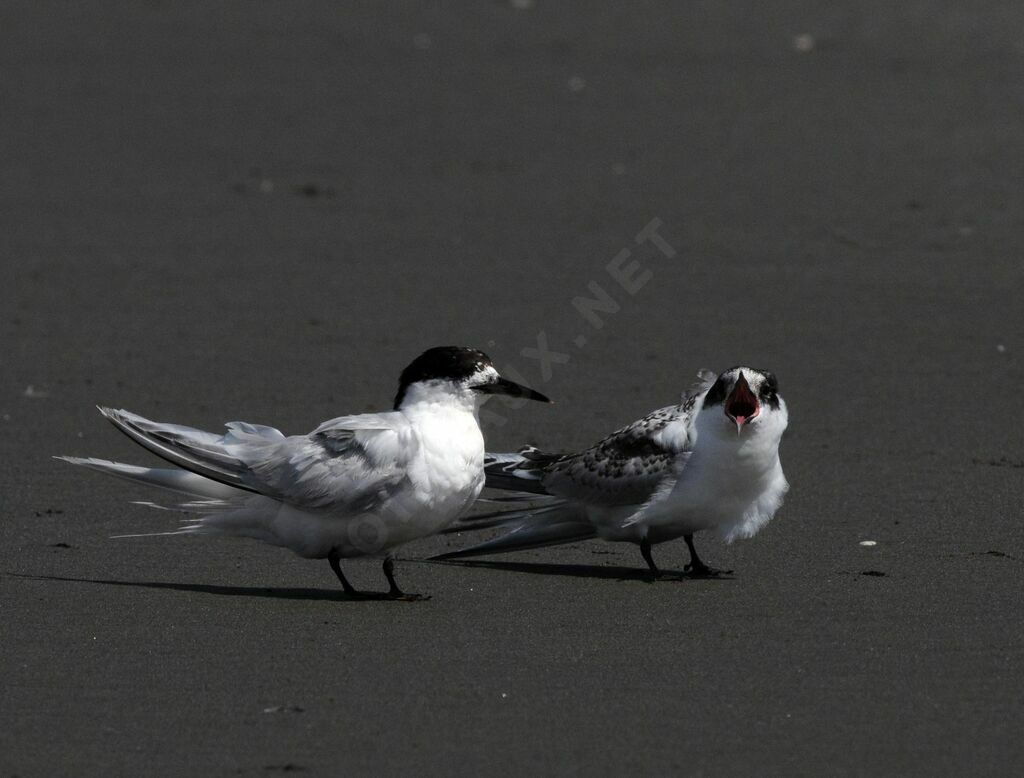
x: 549, y: 525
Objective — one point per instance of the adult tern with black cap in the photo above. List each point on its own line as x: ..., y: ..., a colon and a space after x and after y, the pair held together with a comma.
x: 355, y: 486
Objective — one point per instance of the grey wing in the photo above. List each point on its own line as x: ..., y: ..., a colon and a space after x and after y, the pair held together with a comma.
x: 204, y: 453
x: 347, y: 465
x: 627, y: 466
x: 520, y: 472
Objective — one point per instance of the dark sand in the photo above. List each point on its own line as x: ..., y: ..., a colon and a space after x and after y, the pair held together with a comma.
x: 263, y: 211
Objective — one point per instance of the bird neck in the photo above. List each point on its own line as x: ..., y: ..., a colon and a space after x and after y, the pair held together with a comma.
x: 437, y: 397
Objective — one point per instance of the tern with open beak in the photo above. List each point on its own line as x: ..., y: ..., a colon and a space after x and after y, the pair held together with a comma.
x: 709, y: 463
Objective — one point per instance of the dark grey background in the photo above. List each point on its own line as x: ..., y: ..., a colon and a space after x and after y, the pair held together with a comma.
x: 262, y: 211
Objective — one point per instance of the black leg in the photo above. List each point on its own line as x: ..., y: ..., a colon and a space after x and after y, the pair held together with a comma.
x: 333, y: 559
x: 393, y: 591
x: 696, y: 566
x: 645, y: 550
x: 389, y: 573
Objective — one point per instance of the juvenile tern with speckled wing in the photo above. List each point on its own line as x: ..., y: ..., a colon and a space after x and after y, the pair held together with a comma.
x: 355, y: 486
x: 710, y: 462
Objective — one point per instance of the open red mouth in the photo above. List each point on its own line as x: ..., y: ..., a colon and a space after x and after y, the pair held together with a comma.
x: 741, y: 405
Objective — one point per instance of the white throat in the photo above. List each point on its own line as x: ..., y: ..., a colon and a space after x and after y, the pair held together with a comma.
x: 439, y: 396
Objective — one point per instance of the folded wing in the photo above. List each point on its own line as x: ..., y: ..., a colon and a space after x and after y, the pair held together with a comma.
x: 346, y: 465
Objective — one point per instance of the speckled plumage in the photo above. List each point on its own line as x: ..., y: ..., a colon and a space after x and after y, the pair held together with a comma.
x: 623, y: 468
x: 710, y: 462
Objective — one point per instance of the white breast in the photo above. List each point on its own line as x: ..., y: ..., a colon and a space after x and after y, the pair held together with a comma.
x: 733, y: 484
x: 446, y: 475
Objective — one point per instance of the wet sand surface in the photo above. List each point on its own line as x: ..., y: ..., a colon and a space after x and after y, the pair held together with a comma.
x: 264, y: 211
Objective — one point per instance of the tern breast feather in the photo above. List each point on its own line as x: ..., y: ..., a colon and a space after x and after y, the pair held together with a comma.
x: 448, y: 469
x: 730, y: 483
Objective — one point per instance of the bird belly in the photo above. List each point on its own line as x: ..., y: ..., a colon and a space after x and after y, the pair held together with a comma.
x: 736, y: 498
x: 405, y: 516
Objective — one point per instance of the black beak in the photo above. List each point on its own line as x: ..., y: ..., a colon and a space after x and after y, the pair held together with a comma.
x: 511, y: 388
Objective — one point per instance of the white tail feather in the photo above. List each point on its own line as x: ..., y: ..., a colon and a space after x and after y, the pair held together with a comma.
x: 180, y: 481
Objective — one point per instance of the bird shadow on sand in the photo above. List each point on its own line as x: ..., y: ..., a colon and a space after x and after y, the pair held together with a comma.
x: 612, y: 573
x: 328, y: 595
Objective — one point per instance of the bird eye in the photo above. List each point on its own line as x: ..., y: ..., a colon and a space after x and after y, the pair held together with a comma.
x: 770, y: 389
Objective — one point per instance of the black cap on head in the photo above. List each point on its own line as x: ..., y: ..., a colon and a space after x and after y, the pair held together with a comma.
x: 451, y: 363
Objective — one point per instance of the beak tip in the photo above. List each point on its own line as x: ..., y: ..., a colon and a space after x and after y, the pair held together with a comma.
x: 511, y: 388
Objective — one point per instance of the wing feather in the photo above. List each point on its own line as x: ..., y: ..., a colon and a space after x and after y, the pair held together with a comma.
x: 348, y: 464
x: 631, y: 464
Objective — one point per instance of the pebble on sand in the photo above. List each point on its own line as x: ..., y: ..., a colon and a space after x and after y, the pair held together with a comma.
x: 803, y: 43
